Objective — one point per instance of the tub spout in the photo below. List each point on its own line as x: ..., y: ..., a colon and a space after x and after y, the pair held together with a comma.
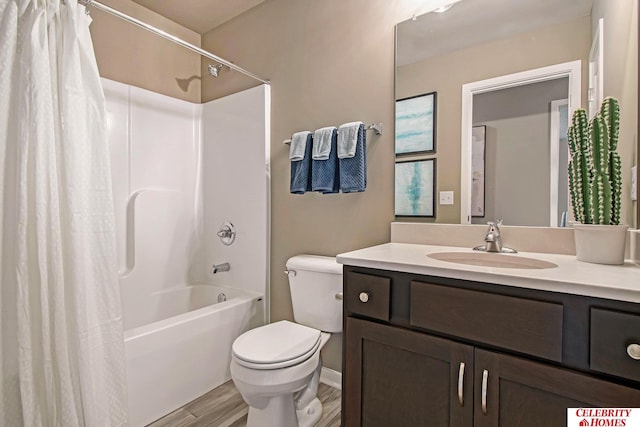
x: 218, y: 268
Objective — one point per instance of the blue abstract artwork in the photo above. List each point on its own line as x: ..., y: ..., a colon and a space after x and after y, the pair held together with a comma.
x: 415, y: 124
x: 415, y: 186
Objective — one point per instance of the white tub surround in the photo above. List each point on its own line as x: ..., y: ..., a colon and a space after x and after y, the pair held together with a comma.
x: 155, y: 143
x: 235, y: 183
x: 180, y: 170
x: 571, y: 276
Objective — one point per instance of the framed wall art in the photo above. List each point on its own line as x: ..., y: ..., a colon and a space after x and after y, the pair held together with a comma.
x: 416, y: 124
x: 415, y: 188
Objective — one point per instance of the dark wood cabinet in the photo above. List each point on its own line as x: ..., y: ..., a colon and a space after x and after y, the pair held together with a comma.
x: 611, y: 334
x: 403, y: 378
x: 520, y: 324
x: 441, y: 352
x: 519, y: 392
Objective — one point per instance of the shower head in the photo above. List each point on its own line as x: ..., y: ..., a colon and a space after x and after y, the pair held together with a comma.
x: 214, y: 70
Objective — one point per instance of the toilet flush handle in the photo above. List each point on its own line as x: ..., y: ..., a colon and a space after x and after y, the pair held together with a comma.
x: 339, y: 296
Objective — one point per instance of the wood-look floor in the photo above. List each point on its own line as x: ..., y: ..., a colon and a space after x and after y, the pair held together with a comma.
x: 224, y: 407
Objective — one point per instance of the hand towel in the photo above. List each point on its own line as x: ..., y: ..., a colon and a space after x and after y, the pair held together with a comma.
x: 353, y: 170
x: 301, y: 169
x: 325, y: 175
x: 322, y: 142
x: 348, y: 139
x: 298, y: 145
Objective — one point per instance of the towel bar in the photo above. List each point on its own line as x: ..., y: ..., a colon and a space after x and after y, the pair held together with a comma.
x: 377, y: 127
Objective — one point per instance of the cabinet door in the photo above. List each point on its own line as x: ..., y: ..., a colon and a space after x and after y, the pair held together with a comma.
x: 530, y: 394
x: 395, y: 377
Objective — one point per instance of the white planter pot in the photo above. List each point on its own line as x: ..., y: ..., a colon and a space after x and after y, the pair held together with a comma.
x: 600, y: 244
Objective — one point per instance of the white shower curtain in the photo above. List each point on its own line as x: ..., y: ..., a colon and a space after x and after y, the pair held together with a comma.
x: 61, y: 342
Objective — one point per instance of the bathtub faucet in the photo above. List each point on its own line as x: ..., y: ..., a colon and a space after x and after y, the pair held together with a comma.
x: 219, y: 268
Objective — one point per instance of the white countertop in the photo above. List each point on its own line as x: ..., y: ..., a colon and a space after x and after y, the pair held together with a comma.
x: 621, y: 282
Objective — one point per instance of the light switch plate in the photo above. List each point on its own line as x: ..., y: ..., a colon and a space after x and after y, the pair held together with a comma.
x: 446, y: 197
x: 634, y: 183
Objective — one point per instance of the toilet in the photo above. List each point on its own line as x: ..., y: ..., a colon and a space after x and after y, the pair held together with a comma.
x: 276, y: 367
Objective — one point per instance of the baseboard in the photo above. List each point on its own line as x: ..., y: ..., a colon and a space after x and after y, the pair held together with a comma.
x: 331, y: 378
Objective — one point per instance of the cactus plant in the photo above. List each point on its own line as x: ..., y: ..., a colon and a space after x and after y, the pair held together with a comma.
x: 610, y: 112
x: 595, y: 183
x: 579, y: 177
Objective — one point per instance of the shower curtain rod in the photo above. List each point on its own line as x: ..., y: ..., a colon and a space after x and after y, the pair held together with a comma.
x: 161, y: 33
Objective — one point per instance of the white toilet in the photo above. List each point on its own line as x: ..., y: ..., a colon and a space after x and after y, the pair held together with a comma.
x: 276, y: 367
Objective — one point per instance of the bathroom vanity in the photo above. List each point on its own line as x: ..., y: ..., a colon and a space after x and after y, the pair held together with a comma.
x: 434, y: 343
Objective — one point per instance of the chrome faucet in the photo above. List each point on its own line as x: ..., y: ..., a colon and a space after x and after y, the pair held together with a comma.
x: 219, y: 268
x: 493, y: 240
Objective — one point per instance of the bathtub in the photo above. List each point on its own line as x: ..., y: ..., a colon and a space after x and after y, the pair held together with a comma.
x: 178, y: 345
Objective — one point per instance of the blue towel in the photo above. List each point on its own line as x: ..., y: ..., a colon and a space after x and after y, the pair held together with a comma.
x: 353, y: 171
x: 325, y: 174
x: 301, y: 170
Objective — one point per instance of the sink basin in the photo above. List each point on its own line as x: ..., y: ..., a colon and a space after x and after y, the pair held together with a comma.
x: 490, y: 259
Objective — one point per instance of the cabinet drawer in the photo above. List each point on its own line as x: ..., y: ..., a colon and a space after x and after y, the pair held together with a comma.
x: 367, y: 295
x: 519, y: 324
x: 611, y: 333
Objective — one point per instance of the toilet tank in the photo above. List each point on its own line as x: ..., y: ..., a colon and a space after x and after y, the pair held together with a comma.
x: 316, y: 291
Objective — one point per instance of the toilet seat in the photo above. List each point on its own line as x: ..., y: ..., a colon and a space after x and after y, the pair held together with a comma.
x: 277, y: 345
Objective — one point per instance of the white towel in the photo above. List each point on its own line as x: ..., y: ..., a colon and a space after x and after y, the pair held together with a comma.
x: 298, y: 145
x: 348, y: 139
x: 322, y: 143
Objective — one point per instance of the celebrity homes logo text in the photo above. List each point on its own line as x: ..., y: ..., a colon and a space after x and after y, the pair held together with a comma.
x: 603, y: 417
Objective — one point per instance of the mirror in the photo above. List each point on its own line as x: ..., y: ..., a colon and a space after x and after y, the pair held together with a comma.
x: 507, y: 76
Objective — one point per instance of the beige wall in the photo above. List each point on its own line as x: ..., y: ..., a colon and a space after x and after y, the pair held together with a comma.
x: 128, y: 54
x: 621, y: 81
x: 330, y: 62
x: 447, y: 73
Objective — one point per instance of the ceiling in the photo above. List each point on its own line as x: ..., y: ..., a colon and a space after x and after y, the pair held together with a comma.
x: 471, y: 22
x: 199, y: 15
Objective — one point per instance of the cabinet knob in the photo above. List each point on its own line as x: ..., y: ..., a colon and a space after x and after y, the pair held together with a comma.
x: 364, y: 296
x: 633, y: 350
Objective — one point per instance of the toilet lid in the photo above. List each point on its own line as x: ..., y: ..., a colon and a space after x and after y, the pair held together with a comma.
x: 276, y: 345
